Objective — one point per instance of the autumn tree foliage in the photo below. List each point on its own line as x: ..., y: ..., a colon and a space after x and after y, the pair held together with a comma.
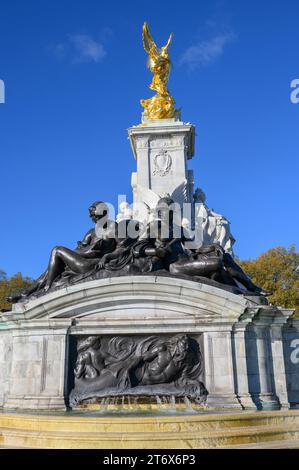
x: 11, y: 285
x: 276, y: 270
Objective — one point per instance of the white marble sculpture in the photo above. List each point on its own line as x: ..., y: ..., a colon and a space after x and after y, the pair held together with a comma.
x: 125, y: 212
x: 215, y: 227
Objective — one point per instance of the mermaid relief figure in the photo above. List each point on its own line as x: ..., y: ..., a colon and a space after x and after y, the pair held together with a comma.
x: 94, y: 358
x: 102, y: 365
x: 163, y: 363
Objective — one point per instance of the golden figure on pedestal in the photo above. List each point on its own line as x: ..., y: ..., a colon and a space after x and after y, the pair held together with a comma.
x: 160, y: 106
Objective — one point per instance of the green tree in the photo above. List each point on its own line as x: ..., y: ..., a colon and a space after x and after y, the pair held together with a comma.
x: 275, y: 271
x: 9, y: 286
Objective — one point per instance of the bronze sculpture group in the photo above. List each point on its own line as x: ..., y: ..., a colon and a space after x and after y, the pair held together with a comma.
x: 156, y: 248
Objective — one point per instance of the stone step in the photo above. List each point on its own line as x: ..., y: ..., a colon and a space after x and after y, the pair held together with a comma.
x: 13, y: 447
x: 140, y: 423
x: 152, y: 440
x: 201, y: 430
x: 281, y: 444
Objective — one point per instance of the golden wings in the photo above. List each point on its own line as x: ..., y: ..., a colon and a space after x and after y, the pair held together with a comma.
x: 159, y: 106
x: 150, y: 45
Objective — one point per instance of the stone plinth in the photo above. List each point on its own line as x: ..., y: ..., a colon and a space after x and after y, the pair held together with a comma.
x: 240, y: 345
x: 161, y: 149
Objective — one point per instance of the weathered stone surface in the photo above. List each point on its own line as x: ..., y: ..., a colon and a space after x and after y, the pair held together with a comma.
x: 241, y: 345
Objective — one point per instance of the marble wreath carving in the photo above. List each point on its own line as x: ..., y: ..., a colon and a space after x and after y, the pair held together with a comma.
x: 144, y: 366
x: 108, y: 253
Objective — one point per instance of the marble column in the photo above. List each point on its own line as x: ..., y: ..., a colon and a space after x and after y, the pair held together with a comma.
x: 276, y: 343
x: 5, y: 363
x: 291, y: 357
x: 219, y: 370
x: 240, y: 360
x: 265, y: 359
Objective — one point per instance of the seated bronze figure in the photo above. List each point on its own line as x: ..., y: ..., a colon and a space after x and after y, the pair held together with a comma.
x: 83, y: 259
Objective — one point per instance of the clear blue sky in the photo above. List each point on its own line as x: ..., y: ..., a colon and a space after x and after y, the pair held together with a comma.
x: 74, y: 73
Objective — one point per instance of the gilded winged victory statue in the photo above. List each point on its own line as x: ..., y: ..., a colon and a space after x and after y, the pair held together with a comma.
x: 159, y: 106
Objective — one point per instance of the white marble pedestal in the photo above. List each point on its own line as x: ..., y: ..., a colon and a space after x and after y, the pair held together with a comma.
x: 161, y: 149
